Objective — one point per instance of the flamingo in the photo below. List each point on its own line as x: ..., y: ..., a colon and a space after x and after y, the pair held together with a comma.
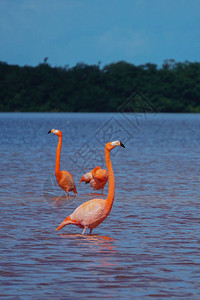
x: 97, y: 177
x: 64, y: 179
x: 93, y: 212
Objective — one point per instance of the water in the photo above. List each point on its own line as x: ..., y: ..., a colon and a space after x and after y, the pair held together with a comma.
x: 148, y: 247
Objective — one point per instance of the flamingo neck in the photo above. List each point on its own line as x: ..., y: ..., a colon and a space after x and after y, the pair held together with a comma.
x: 58, y: 151
x: 111, y: 183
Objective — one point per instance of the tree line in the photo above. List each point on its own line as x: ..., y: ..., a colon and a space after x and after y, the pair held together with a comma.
x: 174, y: 87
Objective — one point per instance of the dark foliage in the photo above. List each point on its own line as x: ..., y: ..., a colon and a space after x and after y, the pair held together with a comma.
x: 87, y: 88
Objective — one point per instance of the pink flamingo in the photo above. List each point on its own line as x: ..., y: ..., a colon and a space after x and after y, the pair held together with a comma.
x: 97, y: 177
x: 64, y: 179
x: 93, y: 212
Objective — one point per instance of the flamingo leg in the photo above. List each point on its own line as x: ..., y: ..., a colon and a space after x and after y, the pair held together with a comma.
x: 67, y: 194
x: 90, y: 231
x: 84, y: 230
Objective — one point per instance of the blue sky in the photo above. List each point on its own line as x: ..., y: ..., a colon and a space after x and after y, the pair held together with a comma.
x: 92, y: 31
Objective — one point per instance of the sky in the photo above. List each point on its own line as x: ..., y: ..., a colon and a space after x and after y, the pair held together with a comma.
x: 99, y: 31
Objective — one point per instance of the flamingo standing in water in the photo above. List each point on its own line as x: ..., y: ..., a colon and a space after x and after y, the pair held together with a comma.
x: 93, y: 212
x: 64, y: 178
x: 97, y: 177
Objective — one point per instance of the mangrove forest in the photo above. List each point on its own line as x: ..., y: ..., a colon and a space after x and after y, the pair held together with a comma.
x: 173, y: 87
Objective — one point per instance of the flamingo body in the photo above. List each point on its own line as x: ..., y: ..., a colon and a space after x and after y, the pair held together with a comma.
x: 93, y: 212
x: 97, y: 177
x: 64, y: 179
x: 88, y: 215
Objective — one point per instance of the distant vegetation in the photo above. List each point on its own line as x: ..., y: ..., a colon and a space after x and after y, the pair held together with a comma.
x: 175, y: 87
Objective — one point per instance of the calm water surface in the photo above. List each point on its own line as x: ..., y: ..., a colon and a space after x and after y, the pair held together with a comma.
x: 148, y: 247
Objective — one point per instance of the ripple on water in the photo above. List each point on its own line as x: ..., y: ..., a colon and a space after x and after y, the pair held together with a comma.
x: 148, y: 247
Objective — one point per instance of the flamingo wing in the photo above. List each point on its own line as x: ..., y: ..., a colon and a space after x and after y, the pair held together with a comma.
x: 90, y: 214
x: 66, y: 181
x: 101, y: 175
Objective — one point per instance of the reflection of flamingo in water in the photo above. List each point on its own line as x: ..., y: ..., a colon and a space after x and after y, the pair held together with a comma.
x: 99, y: 243
x: 97, y: 177
x: 64, y: 178
x: 93, y: 212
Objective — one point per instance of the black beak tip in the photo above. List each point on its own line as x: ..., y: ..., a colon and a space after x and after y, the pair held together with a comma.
x: 49, y: 131
x: 122, y: 145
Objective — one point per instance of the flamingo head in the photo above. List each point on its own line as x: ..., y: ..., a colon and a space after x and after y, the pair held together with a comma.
x: 86, y: 177
x: 109, y: 146
x: 55, y: 131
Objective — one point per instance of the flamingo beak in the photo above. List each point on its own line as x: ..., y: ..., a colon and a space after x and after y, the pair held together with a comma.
x: 122, y: 145
x: 49, y: 131
x: 83, y: 179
